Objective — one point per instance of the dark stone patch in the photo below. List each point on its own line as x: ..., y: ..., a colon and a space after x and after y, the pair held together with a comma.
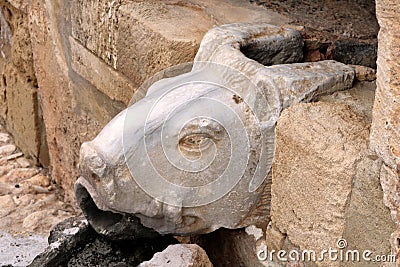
x: 74, y: 243
x: 342, y: 30
x: 354, y: 52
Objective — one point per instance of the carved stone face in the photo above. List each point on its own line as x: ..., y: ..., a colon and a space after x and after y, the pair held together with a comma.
x: 194, y: 154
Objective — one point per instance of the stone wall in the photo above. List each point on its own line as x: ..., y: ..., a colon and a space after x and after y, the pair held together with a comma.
x: 19, y: 100
x: 325, y: 184
x: 385, y: 135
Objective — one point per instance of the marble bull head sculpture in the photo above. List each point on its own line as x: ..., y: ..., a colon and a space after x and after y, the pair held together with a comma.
x: 195, y: 153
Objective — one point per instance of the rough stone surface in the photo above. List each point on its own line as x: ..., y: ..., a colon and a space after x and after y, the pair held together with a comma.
x: 106, y: 79
x: 19, y: 99
x: 364, y: 73
x: 74, y: 243
x: 385, y: 131
x: 4, y: 137
x: 138, y: 45
x: 7, y: 150
x: 348, y: 28
x: 23, y: 162
x: 20, y: 250
x: 73, y: 109
x: 390, y: 183
x: 385, y: 134
x: 353, y: 52
x: 29, y: 206
x: 182, y: 255
x: 360, y: 98
x: 241, y: 247
x: 330, y: 19
x: 325, y: 182
x: 29, y: 201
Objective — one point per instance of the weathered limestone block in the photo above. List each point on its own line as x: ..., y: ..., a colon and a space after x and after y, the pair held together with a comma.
x: 73, y: 109
x: 23, y: 118
x: 182, y: 255
x: 105, y: 78
x: 360, y: 98
x: 390, y: 185
x: 20, y: 4
x: 385, y: 130
x: 151, y: 45
x: 385, y: 134
x: 141, y: 38
x: 19, y: 101
x: 325, y: 183
x: 391, y: 198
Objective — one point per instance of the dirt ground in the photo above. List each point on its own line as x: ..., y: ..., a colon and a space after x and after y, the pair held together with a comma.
x: 329, y: 20
x: 29, y: 202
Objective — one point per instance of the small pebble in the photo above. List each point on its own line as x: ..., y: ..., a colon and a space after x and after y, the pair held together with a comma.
x: 7, y: 149
x: 14, y: 156
x: 4, y: 138
x: 4, y: 170
x: 38, y: 180
x: 364, y: 73
x: 23, y: 162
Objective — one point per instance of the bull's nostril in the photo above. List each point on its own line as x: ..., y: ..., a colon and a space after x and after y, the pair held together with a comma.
x: 95, y: 178
x: 95, y: 164
x: 92, y: 160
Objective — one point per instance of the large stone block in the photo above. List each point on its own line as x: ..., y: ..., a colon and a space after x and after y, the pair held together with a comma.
x: 325, y: 183
x: 106, y: 79
x: 23, y: 116
x: 385, y: 131
x: 20, y: 108
x: 141, y: 38
x: 385, y: 134
x: 73, y: 109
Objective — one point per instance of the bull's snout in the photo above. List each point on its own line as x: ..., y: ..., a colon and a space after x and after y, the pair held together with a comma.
x: 104, y: 220
x: 116, y: 226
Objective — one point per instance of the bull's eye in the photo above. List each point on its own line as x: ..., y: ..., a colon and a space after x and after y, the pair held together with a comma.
x: 199, y: 137
x: 193, y: 145
x: 196, y: 141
